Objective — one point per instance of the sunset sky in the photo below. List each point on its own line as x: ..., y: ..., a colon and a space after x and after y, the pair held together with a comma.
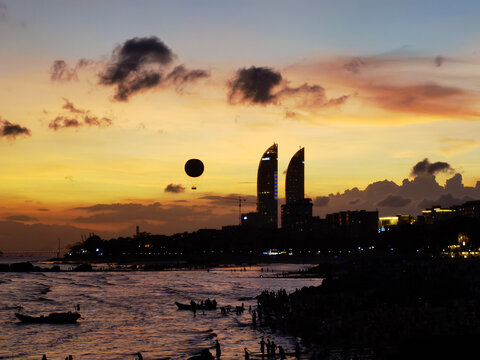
x: 102, y: 102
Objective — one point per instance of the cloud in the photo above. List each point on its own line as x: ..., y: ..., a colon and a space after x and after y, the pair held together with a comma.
x: 60, y: 71
x: 354, y: 65
x: 180, y: 76
x: 410, y: 197
x: 445, y: 200
x: 321, y: 201
x: 401, y: 83
x: 140, y: 64
x: 43, y: 210
x: 77, y: 118
x: 70, y: 107
x: 10, y: 130
x: 425, y: 167
x: 3, y: 12
x: 247, y: 200
x: 263, y: 85
x: 394, y: 201
x: 158, y: 217
x: 438, y: 60
x: 172, y: 188
x: 62, y: 122
x: 21, y: 218
x: 254, y: 85
x: 455, y: 146
x: 19, y: 237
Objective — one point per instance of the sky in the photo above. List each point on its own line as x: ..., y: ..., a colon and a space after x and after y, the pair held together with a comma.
x: 102, y: 103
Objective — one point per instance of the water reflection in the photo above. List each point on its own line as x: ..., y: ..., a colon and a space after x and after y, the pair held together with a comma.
x: 127, y: 312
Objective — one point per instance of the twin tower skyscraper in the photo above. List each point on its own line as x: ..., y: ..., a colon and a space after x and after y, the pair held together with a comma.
x: 297, y: 211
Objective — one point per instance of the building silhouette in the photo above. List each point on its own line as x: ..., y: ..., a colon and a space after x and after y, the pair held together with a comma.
x: 267, y: 192
x: 297, y: 212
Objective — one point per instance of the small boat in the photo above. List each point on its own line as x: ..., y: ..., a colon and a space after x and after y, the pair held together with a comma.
x: 53, y: 318
x: 195, y: 306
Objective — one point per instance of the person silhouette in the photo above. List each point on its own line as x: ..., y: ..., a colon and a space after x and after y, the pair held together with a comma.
x: 139, y: 356
x: 297, y: 350
x: 218, y: 350
x: 262, y: 347
x: 44, y: 357
x: 273, y: 348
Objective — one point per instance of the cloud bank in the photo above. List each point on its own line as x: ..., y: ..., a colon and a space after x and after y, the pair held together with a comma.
x: 410, y: 197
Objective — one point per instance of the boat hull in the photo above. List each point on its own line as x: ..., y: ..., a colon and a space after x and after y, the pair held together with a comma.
x: 191, y: 307
x: 53, y: 318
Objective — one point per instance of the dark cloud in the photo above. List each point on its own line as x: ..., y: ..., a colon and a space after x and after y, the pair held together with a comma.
x: 425, y: 167
x: 61, y: 72
x: 62, y: 122
x: 438, y: 61
x: 135, y: 65
x: 142, y: 63
x: 77, y: 118
x: 254, y: 86
x: 354, y: 65
x: 262, y: 86
x: 321, y: 201
x: 394, y: 201
x: 180, y: 76
x: 10, y: 130
x: 172, y: 188
x: 43, y: 210
x: 22, y: 218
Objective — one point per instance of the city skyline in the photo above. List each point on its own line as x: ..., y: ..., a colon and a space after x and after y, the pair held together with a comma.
x: 98, y: 118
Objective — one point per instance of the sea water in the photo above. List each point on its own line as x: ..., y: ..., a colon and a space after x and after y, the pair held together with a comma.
x: 127, y: 312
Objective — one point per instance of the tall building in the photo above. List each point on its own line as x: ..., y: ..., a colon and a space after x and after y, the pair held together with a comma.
x: 295, y: 180
x: 267, y: 188
x: 297, y: 212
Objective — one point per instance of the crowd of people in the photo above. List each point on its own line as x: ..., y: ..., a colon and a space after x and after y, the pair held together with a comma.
x: 389, y: 310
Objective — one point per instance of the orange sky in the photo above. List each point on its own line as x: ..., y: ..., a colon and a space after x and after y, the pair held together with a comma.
x: 362, y: 116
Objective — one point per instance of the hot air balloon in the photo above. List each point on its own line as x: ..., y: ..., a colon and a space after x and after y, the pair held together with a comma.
x: 194, y: 168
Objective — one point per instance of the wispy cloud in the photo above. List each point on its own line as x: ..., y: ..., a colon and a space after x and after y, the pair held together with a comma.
x: 402, y: 84
x: 454, y: 146
x: 75, y: 118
